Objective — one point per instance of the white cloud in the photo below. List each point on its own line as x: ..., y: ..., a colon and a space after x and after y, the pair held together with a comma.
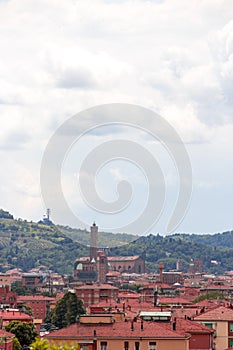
x: 58, y: 58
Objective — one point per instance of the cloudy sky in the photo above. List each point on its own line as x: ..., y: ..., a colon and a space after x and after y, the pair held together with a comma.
x: 174, y: 57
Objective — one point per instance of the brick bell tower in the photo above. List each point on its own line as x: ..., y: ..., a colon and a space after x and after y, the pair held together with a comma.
x: 94, y: 242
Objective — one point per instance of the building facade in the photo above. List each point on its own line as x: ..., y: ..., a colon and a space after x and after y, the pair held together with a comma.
x: 39, y: 305
x: 127, y: 264
x: 110, y: 335
x: 95, y: 293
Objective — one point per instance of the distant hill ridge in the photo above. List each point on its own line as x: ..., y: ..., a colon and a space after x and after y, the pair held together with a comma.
x: 27, y: 244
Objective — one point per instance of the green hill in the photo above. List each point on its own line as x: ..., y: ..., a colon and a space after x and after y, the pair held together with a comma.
x: 105, y: 239
x: 171, y: 248
x: 224, y: 239
x: 26, y: 245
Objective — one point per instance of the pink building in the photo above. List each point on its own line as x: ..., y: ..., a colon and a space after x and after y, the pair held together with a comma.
x: 6, y: 340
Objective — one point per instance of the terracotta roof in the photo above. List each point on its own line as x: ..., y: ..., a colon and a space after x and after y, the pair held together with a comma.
x: 14, y: 315
x: 174, y: 301
x: 4, y: 333
x: 136, y: 305
x: 104, y: 303
x: 182, y: 312
x: 191, y: 326
x: 156, y: 285
x: 23, y: 298
x: 207, y: 303
x: 214, y: 287
x: 96, y: 286
x: 123, y: 258
x: 123, y: 330
x: 220, y: 313
x: 131, y: 305
x: 129, y: 295
x: 113, y: 273
x: 83, y: 258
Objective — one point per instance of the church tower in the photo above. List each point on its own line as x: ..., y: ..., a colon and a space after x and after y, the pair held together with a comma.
x: 94, y: 242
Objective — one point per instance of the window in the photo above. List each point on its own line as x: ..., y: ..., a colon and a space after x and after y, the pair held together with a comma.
x: 231, y: 327
x: 126, y: 345
x: 231, y: 342
x: 209, y: 325
x: 152, y: 345
x: 137, y: 346
x: 103, y: 345
x: 84, y: 347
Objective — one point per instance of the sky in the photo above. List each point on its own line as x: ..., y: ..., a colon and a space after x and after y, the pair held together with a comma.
x: 174, y: 57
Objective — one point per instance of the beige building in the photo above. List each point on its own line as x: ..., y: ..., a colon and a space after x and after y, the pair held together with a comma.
x: 221, y: 320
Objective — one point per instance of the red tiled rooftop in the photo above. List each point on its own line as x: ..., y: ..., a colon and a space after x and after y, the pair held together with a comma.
x: 104, y: 303
x: 123, y: 258
x: 220, y: 313
x: 14, y: 315
x: 116, y: 330
x: 137, y: 305
x: 209, y: 304
x: 132, y: 305
x: 129, y: 295
x: 157, y: 285
x: 113, y: 274
x: 83, y: 258
x: 96, y: 286
x: 185, y: 312
x: 59, y: 296
x: 219, y: 287
x: 174, y: 301
x: 23, y: 298
x: 191, y: 326
x: 4, y: 333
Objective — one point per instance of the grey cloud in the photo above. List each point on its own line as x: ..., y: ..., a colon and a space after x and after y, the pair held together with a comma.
x: 11, y: 100
x: 102, y: 130
x: 15, y: 140
x: 80, y: 78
